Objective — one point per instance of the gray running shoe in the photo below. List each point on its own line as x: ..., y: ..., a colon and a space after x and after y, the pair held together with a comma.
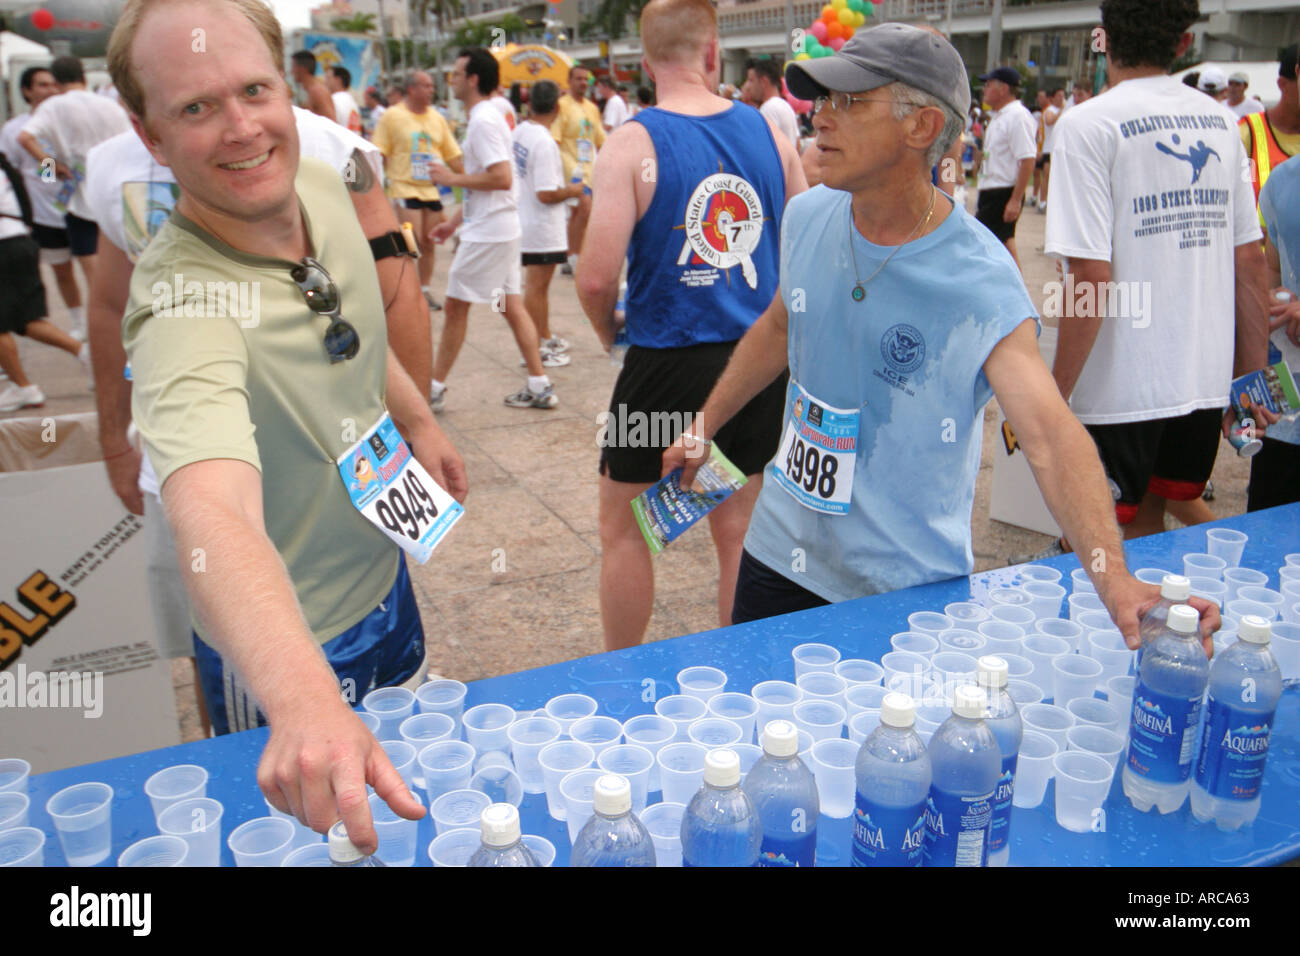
x: 526, y: 398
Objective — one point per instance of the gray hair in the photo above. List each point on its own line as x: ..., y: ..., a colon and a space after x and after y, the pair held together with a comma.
x: 908, y: 99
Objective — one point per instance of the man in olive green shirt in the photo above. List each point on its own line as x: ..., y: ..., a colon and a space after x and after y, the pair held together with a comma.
x: 246, y: 395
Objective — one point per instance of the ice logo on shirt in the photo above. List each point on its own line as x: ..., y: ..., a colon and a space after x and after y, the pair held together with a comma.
x: 1197, y: 155
x: 1150, y: 716
x: 724, y: 223
x: 903, y: 348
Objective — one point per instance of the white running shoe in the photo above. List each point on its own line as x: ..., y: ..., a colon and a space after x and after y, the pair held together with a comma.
x: 14, y: 398
x: 555, y: 344
x: 552, y: 359
x: 526, y: 398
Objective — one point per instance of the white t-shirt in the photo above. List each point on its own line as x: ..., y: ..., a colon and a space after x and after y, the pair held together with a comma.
x: 781, y: 115
x: 490, y: 214
x: 615, y: 112
x: 1148, y: 177
x: 538, y: 169
x: 1049, y: 132
x: 42, y: 193
x: 1011, y: 136
x: 1245, y: 107
x: 506, y: 109
x: 346, y: 111
x: 10, y: 227
x: 71, y: 124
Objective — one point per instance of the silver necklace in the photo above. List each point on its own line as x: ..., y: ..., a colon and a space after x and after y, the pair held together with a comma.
x: 859, y: 291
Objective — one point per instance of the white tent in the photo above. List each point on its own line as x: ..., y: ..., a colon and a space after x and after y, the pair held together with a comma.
x: 12, y: 45
x: 16, y: 54
x: 1263, y: 77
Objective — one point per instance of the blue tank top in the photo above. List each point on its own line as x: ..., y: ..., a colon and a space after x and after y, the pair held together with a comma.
x: 704, y: 259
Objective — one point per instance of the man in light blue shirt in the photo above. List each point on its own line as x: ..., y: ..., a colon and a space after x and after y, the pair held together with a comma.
x: 899, y: 317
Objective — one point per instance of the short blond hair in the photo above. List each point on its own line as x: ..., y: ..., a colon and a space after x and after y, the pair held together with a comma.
x: 676, y: 31
x: 122, y: 70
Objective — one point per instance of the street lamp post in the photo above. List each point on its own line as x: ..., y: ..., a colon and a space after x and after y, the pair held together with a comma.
x: 995, y: 37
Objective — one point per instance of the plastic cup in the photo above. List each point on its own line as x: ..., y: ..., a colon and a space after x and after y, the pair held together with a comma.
x: 197, y: 821
x: 966, y: 614
x: 391, y: 705
x: 951, y: 669
x: 1288, y: 572
x: 1082, y: 783
x: 1091, y: 621
x: 1045, y: 598
x: 1038, y: 572
x: 1069, y: 631
x: 1291, y: 612
x: 264, y: 841
x: 862, y: 724
x: 1081, y: 583
x: 458, y: 810
x: 499, y: 782
x: 1013, y: 614
x: 1290, y: 591
x: 1048, y: 720
x: 653, y: 733
x: 822, y: 719
x: 1024, y: 692
x: 1109, y: 650
x: 858, y: 672
x: 302, y: 835
x: 1041, y: 651
x: 397, y: 835
x: 1260, y: 595
x: 1241, y: 607
x: 369, y: 721
x: 929, y: 717
x: 1285, y: 646
x: 906, y: 670
x: 1001, y: 637
x: 455, y: 847
x: 928, y: 622
x: 420, y: 730
x: 543, y: 850
x: 1119, y: 692
x: 833, y: 761
x: 1075, y: 676
x: 314, y: 854
x: 749, y: 755
x: 443, y: 696
x: 1106, y: 744
x: 1210, y: 589
x: 403, y: 756
x: 701, y: 682
x: 963, y: 641
x: 446, y: 765
x: 487, y: 727
x: 634, y: 763
x: 1014, y: 596
x: 1018, y: 668
x: 1079, y: 603
x: 1154, y: 576
x: 740, y: 709
x: 1227, y: 544
x: 776, y: 700
x: 557, y: 760
x: 14, y: 772
x: 862, y: 697
x: 174, y: 784
x: 811, y: 658
x: 1033, y: 769
x: 1203, y: 566
x: 681, y: 771
x: 83, y: 817
x: 577, y: 788
x: 819, y: 686
x: 1095, y: 713
x: 155, y: 851
x: 714, y: 732
x: 664, y: 821
x: 22, y: 846
x: 566, y: 708
x: 682, y: 711
x: 1292, y: 560
x: 805, y: 748
x: 914, y: 642
x: 596, y: 732
x: 13, y: 809
x: 527, y: 738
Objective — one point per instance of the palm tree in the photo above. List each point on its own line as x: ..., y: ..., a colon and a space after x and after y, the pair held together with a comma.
x: 612, y: 16
x: 357, y: 23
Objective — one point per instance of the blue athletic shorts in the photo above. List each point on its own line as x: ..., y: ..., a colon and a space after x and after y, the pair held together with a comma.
x: 384, y: 649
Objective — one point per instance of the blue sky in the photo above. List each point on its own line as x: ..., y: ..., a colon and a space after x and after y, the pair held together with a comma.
x: 294, y: 13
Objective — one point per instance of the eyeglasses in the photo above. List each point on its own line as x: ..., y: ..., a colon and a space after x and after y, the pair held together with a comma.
x: 842, y: 101
x: 322, y: 296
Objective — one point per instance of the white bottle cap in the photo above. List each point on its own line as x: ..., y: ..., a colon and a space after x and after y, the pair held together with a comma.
x: 780, y: 739
x: 500, y: 823
x: 612, y: 795
x: 721, y: 768
x: 898, y: 710
x: 968, y: 701
x: 1184, y: 619
x: 1175, y: 587
x: 1254, y: 630
x: 1283, y: 295
x: 992, y: 671
x: 342, y: 849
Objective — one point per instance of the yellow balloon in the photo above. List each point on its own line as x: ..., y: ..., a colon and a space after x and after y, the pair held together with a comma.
x: 802, y: 56
x: 846, y: 16
x: 840, y: 4
x: 861, y: 18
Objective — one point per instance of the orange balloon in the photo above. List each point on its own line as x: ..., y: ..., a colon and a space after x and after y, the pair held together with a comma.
x: 835, y: 29
x: 848, y: 32
x: 830, y: 15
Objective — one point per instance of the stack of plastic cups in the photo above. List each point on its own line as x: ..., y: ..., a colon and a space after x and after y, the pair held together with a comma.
x: 1227, y: 544
x: 442, y: 696
x: 391, y: 705
x: 1033, y: 769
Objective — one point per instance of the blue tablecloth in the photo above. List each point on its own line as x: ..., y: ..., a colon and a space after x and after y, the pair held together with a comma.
x: 627, y: 682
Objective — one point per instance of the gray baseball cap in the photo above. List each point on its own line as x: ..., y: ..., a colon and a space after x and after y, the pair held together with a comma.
x: 889, y: 53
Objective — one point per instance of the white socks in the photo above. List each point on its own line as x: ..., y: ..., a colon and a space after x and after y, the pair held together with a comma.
x: 538, y: 384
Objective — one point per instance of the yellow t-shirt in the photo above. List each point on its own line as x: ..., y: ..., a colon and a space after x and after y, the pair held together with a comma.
x: 579, y: 131
x: 229, y: 362
x: 402, y: 135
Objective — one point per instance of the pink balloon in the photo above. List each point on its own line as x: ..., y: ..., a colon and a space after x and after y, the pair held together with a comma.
x: 818, y: 30
x: 798, y: 105
x: 835, y: 43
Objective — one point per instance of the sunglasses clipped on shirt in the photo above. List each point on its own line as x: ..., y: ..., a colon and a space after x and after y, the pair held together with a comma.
x: 322, y: 296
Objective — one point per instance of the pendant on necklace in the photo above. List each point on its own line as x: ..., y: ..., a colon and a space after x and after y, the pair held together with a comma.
x: 859, y: 293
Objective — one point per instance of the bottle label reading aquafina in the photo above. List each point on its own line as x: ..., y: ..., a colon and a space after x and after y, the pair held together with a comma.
x: 1163, y: 735
x: 957, y: 828
x: 887, y: 836
x: 1234, y: 752
x: 1001, y: 826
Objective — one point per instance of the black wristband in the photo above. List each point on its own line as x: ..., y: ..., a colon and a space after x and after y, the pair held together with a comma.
x: 389, y: 244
